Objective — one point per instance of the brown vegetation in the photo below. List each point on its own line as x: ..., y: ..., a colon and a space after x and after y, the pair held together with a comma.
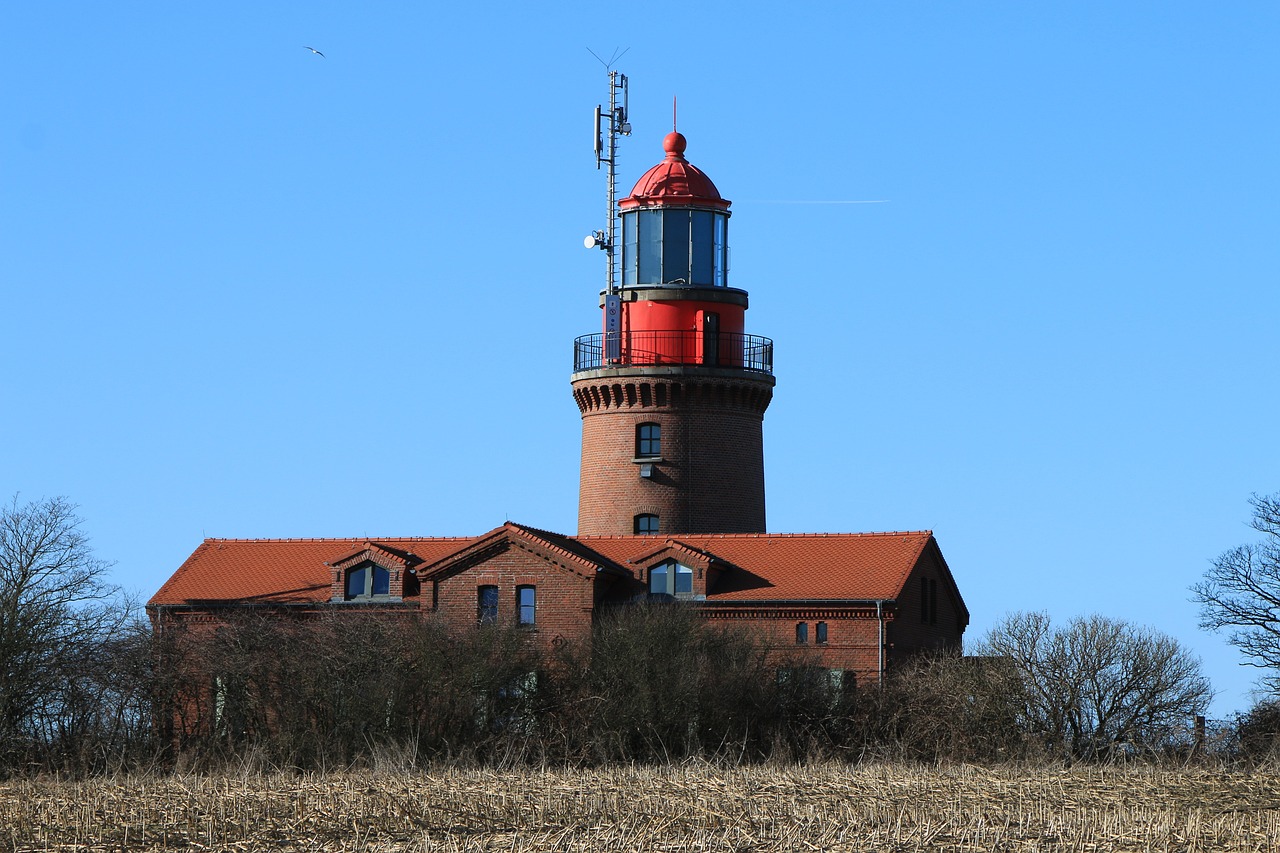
x: 687, y: 807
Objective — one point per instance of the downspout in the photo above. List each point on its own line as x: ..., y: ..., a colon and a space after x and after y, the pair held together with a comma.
x: 880, y: 645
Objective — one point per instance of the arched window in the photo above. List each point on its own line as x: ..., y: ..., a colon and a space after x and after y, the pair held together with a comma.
x: 646, y: 523
x: 648, y: 440
x: 802, y: 633
x: 368, y: 580
x: 820, y: 633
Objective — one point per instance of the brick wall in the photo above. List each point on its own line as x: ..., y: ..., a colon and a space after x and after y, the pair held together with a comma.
x: 565, y: 601
x: 919, y: 628
x: 852, y: 636
x: 710, y: 476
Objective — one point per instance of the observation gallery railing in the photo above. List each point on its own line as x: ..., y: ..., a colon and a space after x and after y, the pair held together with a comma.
x: 674, y: 347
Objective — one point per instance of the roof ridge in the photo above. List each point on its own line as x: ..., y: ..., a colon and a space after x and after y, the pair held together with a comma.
x: 530, y: 527
x: 540, y: 532
x: 677, y: 536
x: 358, y: 539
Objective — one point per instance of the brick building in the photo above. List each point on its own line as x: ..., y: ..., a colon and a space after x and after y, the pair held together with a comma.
x: 672, y: 393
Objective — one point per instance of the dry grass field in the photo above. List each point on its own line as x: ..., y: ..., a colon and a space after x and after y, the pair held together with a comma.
x: 687, y: 808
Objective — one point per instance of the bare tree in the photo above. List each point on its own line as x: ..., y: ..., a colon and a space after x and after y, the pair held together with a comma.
x: 1241, y: 593
x: 55, y: 606
x: 1097, y: 685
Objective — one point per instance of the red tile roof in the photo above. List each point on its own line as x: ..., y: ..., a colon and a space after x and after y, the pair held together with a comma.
x: 759, y: 566
x: 792, y: 566
x: 276, y: 571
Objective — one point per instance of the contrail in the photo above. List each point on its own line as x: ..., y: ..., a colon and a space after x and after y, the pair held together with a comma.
x: 794, y: 201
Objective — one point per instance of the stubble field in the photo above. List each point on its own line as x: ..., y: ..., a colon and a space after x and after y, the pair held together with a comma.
x: 686, y: 808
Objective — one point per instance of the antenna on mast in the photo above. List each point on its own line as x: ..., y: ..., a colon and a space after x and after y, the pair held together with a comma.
x: 611, y: 125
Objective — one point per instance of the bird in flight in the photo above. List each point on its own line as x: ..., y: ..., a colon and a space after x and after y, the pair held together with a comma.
x: 316, y: 52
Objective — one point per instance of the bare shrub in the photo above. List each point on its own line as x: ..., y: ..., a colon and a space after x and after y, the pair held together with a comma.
x: 668, y: 685
x: 318, y: 691
x: 1099, y: 688
x: 941, y: 707
x: 654, y: 684
x: 1258, y: 733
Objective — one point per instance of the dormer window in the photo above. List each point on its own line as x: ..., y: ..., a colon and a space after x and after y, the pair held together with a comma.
x: 368, y: 580
x: 671, y: 578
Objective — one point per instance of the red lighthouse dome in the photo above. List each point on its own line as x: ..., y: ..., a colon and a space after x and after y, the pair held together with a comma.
x: 674, y: 181
x: 675, y: 225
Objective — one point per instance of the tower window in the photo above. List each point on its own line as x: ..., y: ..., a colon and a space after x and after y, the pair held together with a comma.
x: 486, y: 605
x: 367, y: 581
x: 671, y: 578
x: 527, y: 604
x: 802, y: 633
x: 820, y: 633
x: 646, y: 523
x: 648, y: 440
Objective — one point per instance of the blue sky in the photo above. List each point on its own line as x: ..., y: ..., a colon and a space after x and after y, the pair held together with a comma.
x: 250, y: 292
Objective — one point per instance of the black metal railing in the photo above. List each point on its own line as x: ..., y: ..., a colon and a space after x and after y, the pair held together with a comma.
x: 676, y: 347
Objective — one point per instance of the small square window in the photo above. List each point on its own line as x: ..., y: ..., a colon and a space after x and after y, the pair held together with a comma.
x: 646, y: 524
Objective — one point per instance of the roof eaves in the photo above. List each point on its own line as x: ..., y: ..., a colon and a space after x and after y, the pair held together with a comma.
x: 799, y: 602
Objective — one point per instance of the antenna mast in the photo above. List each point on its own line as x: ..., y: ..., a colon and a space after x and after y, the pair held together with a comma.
x: 617, y: 126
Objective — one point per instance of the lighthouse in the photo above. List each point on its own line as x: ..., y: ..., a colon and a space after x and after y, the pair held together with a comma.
x: 672, y: 390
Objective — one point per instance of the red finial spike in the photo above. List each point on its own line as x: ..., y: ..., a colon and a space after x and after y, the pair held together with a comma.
x: 673, y: 114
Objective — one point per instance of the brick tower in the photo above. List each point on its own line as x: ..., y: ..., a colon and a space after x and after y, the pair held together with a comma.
x: 672, y: 391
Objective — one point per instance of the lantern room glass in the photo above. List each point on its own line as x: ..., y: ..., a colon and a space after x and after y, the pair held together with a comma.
x: 675, y: 246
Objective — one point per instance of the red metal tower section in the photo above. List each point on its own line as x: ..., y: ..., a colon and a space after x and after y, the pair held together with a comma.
x: 673, y: 391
